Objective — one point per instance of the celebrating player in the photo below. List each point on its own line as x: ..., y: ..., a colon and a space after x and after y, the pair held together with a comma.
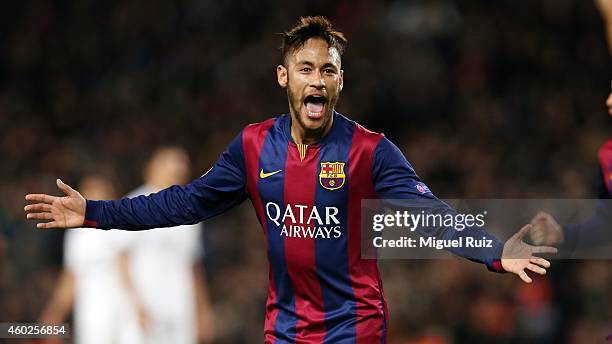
x: 305, y: 172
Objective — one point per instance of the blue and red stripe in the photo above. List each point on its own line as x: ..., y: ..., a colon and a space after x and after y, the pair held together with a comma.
x: 300, y: 187
x: 371, y: 306
x: 332, y: 254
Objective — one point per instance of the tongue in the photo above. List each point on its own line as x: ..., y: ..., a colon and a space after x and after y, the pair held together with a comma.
x: 314, y: 107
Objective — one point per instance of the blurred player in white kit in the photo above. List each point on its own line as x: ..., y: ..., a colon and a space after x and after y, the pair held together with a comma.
x: 161, y: 270
x: 89, y: 281
x: 135, y: 287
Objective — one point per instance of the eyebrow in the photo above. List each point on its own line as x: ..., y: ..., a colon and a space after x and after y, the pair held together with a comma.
x: 308, y: 63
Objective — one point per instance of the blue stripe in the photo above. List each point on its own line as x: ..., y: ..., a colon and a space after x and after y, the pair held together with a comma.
x: 272, y: 158
x: 332, y: 254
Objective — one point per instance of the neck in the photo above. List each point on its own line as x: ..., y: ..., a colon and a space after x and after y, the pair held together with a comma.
x: 304, y: 136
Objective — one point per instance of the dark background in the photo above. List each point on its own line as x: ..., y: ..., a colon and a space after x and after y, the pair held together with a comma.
x: 487, y: 99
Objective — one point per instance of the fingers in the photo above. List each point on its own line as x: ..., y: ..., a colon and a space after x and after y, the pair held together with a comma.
x: 38, y: 207
x: 65, y: 187
x: 522, y: 274
x: 52, y: 224
x: 544, y: 249
x: 540, y: 261
x: 536, y: 269
x: 526, y: 228
x: 40, y: 216
x: 40, y: 198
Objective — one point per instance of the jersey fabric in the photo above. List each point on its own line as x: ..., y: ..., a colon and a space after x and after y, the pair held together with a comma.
x: 307, y: 199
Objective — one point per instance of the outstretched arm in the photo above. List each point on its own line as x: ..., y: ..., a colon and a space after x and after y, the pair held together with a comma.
x: 395, y: 178
x: 593, y: 232
x: 222, y: 187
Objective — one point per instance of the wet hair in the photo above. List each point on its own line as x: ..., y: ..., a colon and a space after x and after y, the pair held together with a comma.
x: 311, y: 27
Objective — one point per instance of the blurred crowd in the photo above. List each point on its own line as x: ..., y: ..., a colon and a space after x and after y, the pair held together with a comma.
x: 486, y: 99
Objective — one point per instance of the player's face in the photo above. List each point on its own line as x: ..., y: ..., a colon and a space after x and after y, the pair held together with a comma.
x: 609, y: 104
x: 313, y: 79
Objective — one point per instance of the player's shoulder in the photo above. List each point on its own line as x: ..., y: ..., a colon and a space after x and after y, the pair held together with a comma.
x: 263, y: 125
x: 361, y: 135
x: 257, y: 131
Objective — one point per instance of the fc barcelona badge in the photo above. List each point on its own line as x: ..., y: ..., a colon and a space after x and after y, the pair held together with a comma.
x: 332, y: 175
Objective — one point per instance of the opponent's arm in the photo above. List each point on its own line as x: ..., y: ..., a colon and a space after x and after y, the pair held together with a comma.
x: 395, y: 178
x: 204, y: 312
x: 221, y: 188
x: 62, y: 300
x: 592, y: 232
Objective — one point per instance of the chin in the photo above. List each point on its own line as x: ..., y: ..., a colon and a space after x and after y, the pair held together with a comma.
x: 314, y: 124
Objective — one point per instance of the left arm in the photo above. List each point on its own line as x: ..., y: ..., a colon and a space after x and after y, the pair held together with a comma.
x: 394, y: 178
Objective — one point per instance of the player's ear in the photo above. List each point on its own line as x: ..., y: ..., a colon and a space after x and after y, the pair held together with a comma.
x: 341, y: 79
x: 281, y: 75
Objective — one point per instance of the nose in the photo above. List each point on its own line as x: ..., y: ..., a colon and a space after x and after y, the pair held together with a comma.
x: 317, y: 80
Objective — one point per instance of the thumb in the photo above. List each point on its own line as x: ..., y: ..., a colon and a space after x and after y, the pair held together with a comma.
x: 521, y: 234
x: 65, y: 188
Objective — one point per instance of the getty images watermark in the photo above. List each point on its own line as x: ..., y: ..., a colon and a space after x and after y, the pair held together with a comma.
x: 433, y: 229
x: 412, y: 222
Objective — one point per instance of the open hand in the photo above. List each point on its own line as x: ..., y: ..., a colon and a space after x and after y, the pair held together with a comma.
x: 63, y: 212
x: 518, y: 256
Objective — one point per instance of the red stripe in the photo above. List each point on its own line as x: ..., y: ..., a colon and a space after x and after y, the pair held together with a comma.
x: 365, y: 279
x: 497, y: 266
x: 300, y: 185
x: 90, y: 223
x: 253, y: 138
x: 605, y: 160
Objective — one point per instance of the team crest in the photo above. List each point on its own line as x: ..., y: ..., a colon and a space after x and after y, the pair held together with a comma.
x: 332, y: 175
x: 422, y: 188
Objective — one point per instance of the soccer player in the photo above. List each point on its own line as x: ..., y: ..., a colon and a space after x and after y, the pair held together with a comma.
x: 305, y: 173
x: 89, y: 282
x: 596, y: 230
x: 161, y: 269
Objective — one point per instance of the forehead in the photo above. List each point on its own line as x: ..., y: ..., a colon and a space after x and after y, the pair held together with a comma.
x: 316, y: 51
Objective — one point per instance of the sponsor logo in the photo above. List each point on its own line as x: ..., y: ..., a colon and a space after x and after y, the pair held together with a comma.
x: 304, y: 221
x: 264, y: 175
x: 332, y: 175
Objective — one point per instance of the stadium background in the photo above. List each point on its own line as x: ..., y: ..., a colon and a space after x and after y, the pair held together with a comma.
x: 486, y: 99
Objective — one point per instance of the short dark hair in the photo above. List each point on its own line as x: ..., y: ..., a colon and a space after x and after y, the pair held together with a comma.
x: 309, y: 27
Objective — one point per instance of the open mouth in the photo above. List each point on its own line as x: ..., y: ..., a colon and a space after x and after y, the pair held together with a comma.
x: 315, y: 106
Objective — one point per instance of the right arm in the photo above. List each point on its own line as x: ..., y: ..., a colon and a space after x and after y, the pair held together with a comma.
x: 221, y: 188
